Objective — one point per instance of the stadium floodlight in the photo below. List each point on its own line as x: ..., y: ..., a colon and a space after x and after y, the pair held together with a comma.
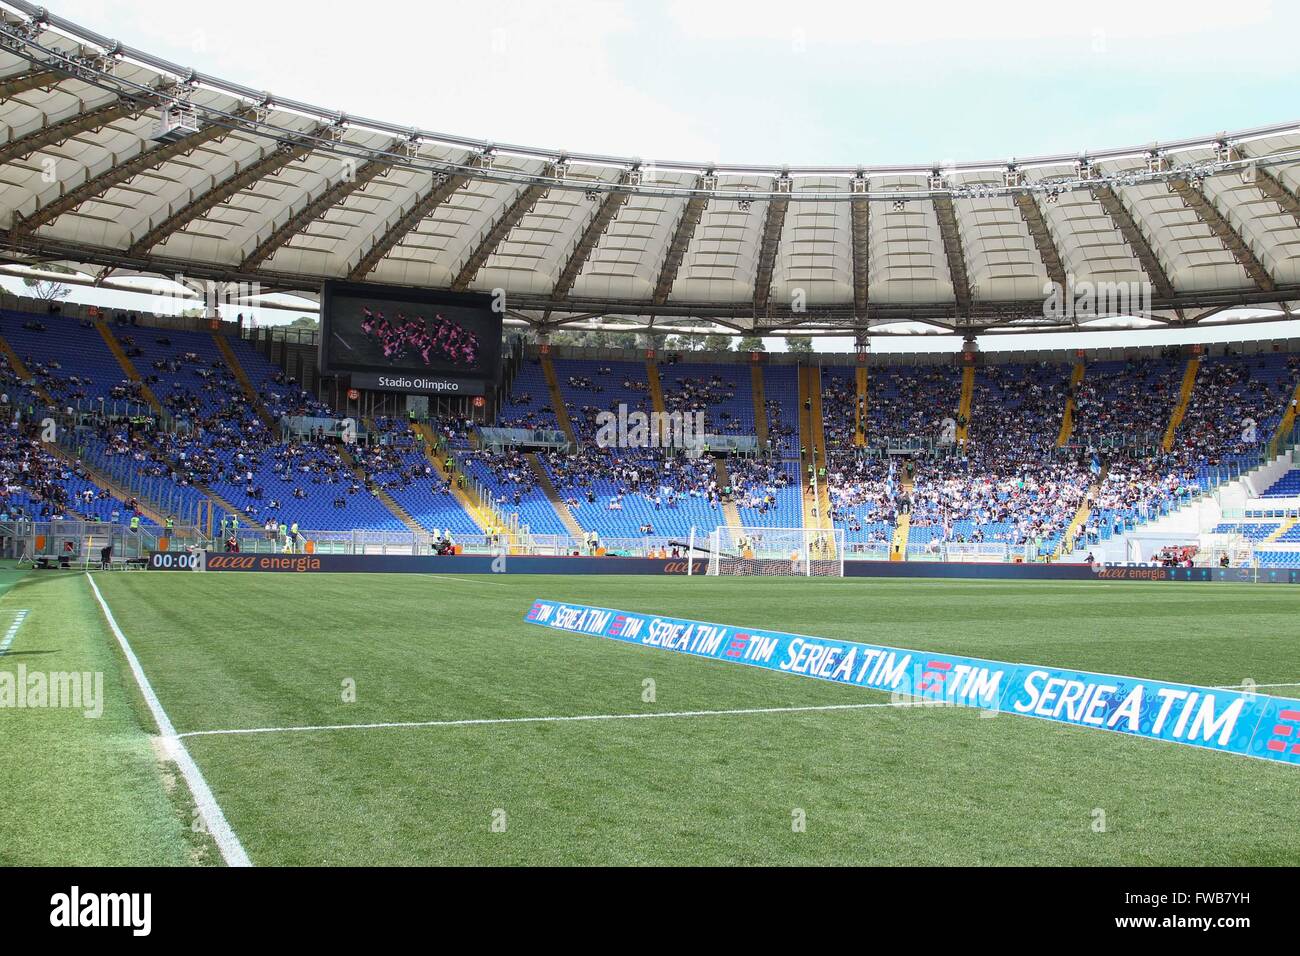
x: 784, y: 552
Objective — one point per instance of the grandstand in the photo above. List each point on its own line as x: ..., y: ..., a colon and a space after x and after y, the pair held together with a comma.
x: 221, y: 449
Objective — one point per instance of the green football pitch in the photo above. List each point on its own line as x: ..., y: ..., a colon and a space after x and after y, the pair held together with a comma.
x: 472, y: 784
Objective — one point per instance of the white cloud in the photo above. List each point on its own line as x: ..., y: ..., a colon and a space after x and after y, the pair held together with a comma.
x: 900, y: 24
x: 528, y: 73
x: 751, y: 81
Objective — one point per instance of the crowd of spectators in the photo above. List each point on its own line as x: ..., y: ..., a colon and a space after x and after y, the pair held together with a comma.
x: 1007, y: 481
x: 1235, y: 403
x: 38, y: 485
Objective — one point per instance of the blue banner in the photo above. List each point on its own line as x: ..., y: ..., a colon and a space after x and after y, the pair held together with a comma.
x: 1231, y: 721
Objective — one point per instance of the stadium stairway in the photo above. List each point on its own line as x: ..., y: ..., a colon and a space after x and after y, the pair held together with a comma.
x: 860, y: 409
x: 723, y: 478
x: 219, y: 504
x: 1067, y: 544
x: 1067, y: 417
x: 816, y: 496
x: 760, y: 403
x: 129, y: 370
x: 655, y: 388
x: 1286, y: 525
x: 1286, y: 425
x: 548, y: 488
x: 128, y: 367
x: 105, y: 482
x: 557, y: 400
x: 477, y: 513
x: 1184, y: 398
x: 245, y: 383
x: 902, y: 532
x: 23, y: 372
x: 819, y: 440
x: 389, y: 502
x: 963, y: 409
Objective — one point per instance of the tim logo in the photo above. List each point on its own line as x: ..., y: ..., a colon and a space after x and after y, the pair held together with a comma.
x: 74, y: 909
x: 935, y: 673
x: 1286, y: 735
x: 736, y: 648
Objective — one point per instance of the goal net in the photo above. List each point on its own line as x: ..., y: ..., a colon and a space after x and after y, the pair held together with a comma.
x: 1237, y: 548
x: 802, y: 552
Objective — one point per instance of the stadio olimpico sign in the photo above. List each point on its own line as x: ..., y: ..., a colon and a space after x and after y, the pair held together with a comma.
x: 417, y: 384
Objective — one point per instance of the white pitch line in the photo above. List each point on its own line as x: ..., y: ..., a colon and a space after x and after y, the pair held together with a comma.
x: 486, y: 721
x: 1245, y: 686
x: 222, y: 833
x: 463, y: 580
x: 10, y: 634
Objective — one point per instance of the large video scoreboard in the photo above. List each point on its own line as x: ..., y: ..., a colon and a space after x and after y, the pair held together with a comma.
x: 409, y: 340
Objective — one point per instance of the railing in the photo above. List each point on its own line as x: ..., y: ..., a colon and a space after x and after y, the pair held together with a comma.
x: 967, y: 551
x: 638, y: 547
x: 256, y: 541
x: 866, y: 551
x: 51, y: 539
x: 907, y: 445
x: 186, y: 505
x: 541, y: 437
x: 82, y: 412
x: 1280, y: 511
x: 48, y: 539
x: 1216, y: 475
x: 480, y: 492
x: 110, y: 408
x: 304, y: 426
x: 1110, y: 441
x: 734, y: 444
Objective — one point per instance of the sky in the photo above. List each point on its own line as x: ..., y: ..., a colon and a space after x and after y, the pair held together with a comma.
x: 752, y: 81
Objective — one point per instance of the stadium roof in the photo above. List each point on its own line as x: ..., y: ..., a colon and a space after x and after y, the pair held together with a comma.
x: 255, y: 188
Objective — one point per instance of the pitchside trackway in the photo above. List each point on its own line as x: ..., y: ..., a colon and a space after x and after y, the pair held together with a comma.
x: 592, y: 751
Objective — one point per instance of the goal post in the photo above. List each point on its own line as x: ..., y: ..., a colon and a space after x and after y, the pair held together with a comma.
x: 786, y: 552
x: 1237, y: 548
